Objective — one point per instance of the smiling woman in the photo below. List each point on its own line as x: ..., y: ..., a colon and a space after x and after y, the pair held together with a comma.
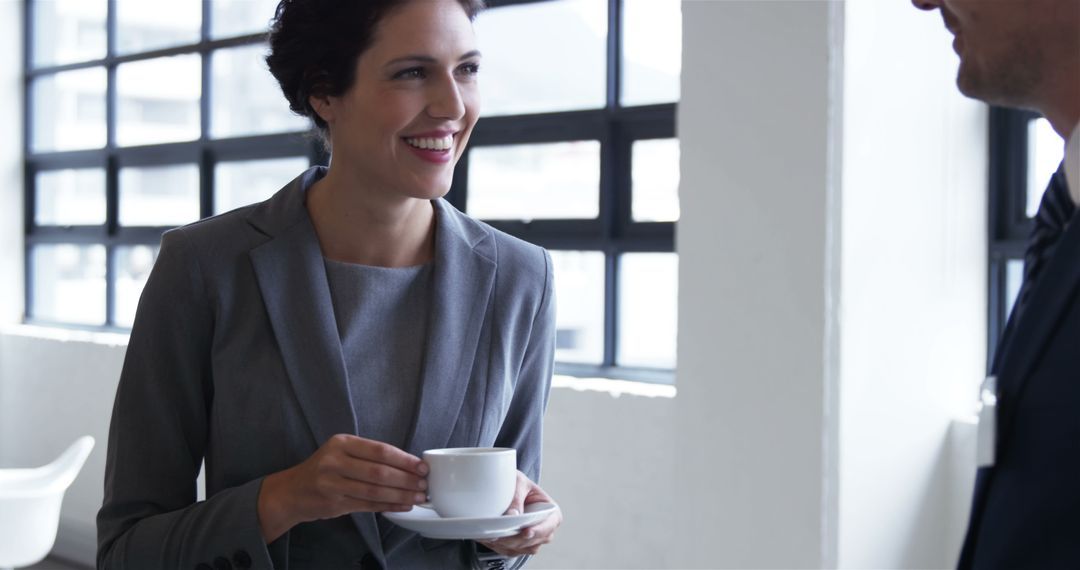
x: 309, y: 348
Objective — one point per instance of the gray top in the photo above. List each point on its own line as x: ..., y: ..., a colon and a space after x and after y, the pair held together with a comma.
x: 381, y: 315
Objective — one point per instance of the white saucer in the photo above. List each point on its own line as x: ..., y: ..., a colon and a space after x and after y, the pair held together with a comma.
x: 427, y: 522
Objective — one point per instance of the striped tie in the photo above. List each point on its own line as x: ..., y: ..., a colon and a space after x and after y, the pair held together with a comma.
x: 1055, y: 211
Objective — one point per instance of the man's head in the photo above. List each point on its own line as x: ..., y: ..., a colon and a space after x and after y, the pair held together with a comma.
x: 1019, y: 53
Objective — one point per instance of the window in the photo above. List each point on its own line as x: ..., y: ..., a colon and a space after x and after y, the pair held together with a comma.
x: 1024, y: 153
x: 577, y: 152
x: 140, y: 120
x: 135, y: 126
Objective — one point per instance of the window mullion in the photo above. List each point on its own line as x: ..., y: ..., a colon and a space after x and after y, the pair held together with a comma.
x: 110, y: 285
x: 614, y: 51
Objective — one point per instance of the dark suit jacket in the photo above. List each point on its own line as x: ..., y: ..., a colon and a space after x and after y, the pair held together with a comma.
x: 1026, y: 508
x: 235, y: 358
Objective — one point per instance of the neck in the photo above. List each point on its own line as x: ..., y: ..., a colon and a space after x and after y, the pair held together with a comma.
x: 357, y: 224
x: 1061, y: 102
x: 1063, y: 118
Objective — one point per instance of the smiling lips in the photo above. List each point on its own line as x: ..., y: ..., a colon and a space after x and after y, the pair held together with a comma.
x: 433, y: 148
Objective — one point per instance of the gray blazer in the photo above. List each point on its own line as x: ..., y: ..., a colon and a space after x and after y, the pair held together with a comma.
x: 235, y: 359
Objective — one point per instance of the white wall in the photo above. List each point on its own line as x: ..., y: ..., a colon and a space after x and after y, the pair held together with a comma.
x: 913, y: 309
x: 11, y: 171
x: 58, y: 390
x: 794, y: 328
x: 754, y: 130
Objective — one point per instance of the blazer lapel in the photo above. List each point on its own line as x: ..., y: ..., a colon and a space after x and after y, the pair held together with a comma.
x: 1026, y: 343
x: 292, y: 279
x: 463, y: 276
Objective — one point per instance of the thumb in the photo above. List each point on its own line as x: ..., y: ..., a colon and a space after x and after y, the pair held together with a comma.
x: 517, y: 504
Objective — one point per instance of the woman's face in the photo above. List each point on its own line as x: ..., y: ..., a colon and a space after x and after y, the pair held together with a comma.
x: 404, y: 123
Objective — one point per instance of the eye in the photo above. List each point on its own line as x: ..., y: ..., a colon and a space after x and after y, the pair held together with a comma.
x: 469, y: 69
x: 410, y: 73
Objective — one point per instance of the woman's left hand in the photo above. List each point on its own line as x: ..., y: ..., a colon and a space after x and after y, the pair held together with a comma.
x: 530, y: 539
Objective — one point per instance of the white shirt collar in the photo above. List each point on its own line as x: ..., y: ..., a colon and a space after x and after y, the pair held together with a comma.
x: 1072, y: 164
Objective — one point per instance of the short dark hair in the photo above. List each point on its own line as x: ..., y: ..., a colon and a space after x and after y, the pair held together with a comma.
x: 314, y: 45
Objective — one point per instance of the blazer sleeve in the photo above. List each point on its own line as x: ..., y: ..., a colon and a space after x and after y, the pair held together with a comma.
x: 157, y: 438
x: 524, y: 424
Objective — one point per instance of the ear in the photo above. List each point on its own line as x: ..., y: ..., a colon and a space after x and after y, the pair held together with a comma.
x: 324, y: 106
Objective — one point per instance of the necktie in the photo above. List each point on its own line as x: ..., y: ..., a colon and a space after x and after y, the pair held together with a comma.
x: 1055, y: 211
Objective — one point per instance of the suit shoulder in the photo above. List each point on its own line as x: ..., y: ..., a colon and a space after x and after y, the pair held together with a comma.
x: 214, y: 234
x: 518, y: 258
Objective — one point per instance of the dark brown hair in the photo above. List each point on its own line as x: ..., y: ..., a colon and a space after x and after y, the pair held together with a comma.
x: 314, y: 45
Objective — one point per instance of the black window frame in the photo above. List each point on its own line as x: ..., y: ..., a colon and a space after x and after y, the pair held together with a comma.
x: 204, y: 152
x: 616, y: 127
x: 1008, y: 224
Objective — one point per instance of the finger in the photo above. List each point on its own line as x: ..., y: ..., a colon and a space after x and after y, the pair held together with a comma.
x: 351, y: 505
x: 515, y: 546
x: 379, y: 452
x: 364, y: 491
x: 381, y: 474
x: 528, y: 538
x: 521, y: 491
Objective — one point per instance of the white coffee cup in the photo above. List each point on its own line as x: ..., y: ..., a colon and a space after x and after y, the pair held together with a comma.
x: 471, y: 482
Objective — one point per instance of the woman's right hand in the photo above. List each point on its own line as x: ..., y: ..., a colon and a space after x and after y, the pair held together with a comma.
x: 347, y: 474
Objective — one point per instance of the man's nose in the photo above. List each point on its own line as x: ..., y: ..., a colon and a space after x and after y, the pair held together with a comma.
x: 926, y: 4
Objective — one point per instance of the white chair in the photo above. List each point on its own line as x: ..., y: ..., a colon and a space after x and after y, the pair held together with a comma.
x: 30, y: 505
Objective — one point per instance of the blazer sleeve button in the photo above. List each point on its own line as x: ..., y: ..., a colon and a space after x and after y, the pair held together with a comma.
x: 222, y: 563
x: 241, y: 559
x: 368, y: 562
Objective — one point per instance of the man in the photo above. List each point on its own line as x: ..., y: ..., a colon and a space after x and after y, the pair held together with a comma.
x: 1026, y: 508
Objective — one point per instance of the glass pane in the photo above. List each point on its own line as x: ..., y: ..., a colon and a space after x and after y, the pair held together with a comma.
x: 69, y: 110
x: 240, y: 17
x: 69, y: 283
x: 537, y: 181
x: 655, y: 185
x: 527, y: 70
x: 1044, y: 156
x: 241, y: 183
x: 133, y: 264
x: 159, y: 195
x: 648, y: 309
x: 158, y: 100
x: 652, y: 51
x: 1014, y: 277
x: 144, y: 25
x: 66, y: 31
x: 245, y: 98
x: 73, y: 197
x: 579, y: 294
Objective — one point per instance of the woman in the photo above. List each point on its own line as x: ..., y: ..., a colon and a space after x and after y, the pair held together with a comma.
x: 310, y: 347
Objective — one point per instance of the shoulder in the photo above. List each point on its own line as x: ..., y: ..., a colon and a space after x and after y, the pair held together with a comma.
x: 217, y: 237
x: 517, y: 261
x: 242, y: 229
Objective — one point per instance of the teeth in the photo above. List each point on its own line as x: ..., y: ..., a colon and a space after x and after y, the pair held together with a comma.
x: 428, y: 143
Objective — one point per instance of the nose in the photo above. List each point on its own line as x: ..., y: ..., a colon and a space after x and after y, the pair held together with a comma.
x: 927, y: 4
x: 447, y: 101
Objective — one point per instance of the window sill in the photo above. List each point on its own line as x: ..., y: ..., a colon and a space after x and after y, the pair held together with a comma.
x: 612, y: 387
x: 66, y: 334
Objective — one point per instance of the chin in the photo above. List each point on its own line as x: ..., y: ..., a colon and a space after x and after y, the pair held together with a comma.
x: 430, y: 192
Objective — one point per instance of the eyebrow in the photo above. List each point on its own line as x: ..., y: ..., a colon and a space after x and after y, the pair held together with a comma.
x: 428, y: 58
